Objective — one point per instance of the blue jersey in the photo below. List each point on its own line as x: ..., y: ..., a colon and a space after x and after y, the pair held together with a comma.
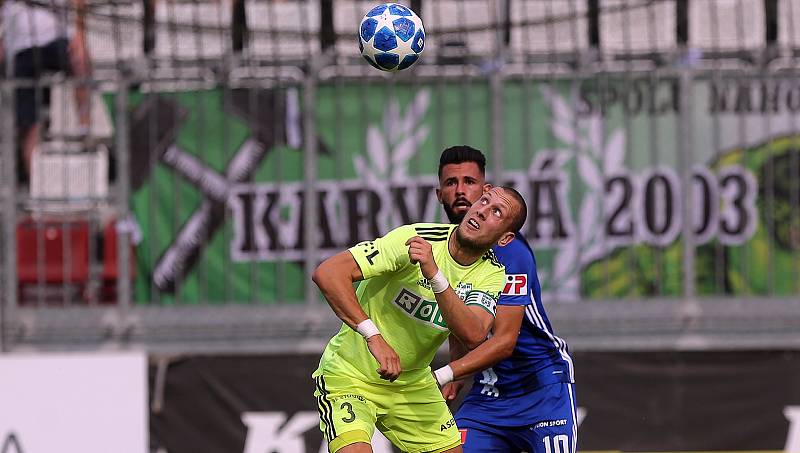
x: 540, y: 357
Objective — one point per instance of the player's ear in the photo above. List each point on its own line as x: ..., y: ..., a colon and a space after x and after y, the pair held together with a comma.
x: 505, y: 239
x: 439, y: 195
x: 487, y: 187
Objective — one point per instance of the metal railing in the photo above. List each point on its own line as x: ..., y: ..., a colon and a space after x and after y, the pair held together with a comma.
x: 662, y: 178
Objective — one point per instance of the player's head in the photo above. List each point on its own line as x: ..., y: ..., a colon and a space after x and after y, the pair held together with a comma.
x: 493, y: 219
x: 462, y: 180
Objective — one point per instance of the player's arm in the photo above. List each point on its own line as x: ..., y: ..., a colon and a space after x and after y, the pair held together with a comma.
x: 450, y: 389
x: 508, y: 321
x: 335, y: 277
x: 497, y: 348
x: 470, y: 324
x: 81, y: 64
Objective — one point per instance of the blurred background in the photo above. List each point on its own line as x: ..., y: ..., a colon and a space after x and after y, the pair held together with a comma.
x: 173, y: 170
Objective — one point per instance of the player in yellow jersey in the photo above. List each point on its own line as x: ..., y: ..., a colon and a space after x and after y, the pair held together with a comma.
x: 422, y: 282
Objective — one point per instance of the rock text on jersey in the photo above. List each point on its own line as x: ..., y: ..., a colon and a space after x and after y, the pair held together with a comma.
x: 425, y: 311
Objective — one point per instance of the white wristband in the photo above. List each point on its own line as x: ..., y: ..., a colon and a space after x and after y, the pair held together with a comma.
x: 444, y: 375
x: 367, y: 328
x: 439, y: 282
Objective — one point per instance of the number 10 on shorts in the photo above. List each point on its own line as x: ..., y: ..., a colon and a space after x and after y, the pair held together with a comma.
x: 556, y: 444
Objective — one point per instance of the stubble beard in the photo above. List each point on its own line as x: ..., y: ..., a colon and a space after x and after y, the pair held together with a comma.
x: 464, y: 242
x: 469, y: 244
x: 452, y: 215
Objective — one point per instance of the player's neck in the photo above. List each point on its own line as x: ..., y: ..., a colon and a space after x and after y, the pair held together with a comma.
x: 462, y: 253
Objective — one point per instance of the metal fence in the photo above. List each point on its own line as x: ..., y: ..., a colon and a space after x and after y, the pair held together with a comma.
x: 234, y: 145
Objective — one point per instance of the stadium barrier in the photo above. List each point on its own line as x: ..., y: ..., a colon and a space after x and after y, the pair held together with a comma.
x: 660, y: 169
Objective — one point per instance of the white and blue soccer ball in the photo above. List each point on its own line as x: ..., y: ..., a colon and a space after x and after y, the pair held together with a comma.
x: 391, y: 37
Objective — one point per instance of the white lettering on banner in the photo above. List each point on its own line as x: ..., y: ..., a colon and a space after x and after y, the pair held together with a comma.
x: 266, y: 432
x: 792, y: 413
x: 610, y: 204
x: 11, y: 444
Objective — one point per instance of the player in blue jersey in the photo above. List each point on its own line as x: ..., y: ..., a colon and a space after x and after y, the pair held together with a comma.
x: 522, y: 398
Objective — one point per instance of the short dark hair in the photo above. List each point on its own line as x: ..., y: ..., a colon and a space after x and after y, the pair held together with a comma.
x: 519, y: 220
x: 460, y: 154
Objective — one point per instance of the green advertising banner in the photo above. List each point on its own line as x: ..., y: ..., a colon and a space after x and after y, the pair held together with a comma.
x: 218, y: 182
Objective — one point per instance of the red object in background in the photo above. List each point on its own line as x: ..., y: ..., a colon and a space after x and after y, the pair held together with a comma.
x: 47, y: 261
x: 53, y: 258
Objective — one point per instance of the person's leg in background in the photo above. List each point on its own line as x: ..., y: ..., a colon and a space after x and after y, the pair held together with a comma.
x: 81, y: 66
x: 27, y: 108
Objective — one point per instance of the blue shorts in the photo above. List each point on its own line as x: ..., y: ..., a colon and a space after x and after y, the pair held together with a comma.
x: 542, y: 421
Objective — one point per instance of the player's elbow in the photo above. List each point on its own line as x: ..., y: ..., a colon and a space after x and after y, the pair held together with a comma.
x: 473, y: 340
x: 319, y: 274
x: 338, y: 268
x: 472, y: 344
x: 504, y: 347
x: 477, y: 336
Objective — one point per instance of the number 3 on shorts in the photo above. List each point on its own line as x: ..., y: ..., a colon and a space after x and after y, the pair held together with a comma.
x: 351, y: 416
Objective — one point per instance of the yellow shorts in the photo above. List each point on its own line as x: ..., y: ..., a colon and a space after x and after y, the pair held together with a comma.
x: 413, y: 419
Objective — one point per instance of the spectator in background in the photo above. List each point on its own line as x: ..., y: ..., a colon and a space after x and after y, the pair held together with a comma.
x: 38, y: 38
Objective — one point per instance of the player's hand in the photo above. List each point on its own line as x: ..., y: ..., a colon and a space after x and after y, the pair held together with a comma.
x: 451, y: 389
x: 420, y: 251
x: 386, y: 357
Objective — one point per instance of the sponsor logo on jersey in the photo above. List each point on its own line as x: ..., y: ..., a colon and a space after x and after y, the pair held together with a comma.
x: 423, y: 282
x: 369, y: 250
x: 462, y: 289
x: 426, y: 311
x: 550, y: 423
x: 463, y: 436
x: 516, y: 285
x: 450, y: 423
x: 349, y: 396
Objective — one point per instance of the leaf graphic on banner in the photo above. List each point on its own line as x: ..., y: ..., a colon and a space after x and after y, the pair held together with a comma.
x: 389, y: 150
x: 376, y: 149
x: 416, y: 111
x: 614, y: 152
x: 588, y: 218
x: 562, y: 112
x: 589, y: 172
x: 566, y: 133
x: 365, y: 172
x: 594, y: 153
x: 391, y: 120
x: 406, y: 149
x: 565, y: 262
x: 594, y: 129
x: 548, y: 160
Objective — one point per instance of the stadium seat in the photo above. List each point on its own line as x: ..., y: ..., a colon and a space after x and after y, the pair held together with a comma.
x: 52, y: 257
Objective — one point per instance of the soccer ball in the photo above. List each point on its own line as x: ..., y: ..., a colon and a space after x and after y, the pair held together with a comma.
x: 391, y: 37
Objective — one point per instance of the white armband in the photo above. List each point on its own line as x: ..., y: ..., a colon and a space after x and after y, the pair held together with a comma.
x: 439, y: 282
x: 444, y: 375
x: 367, y: 328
